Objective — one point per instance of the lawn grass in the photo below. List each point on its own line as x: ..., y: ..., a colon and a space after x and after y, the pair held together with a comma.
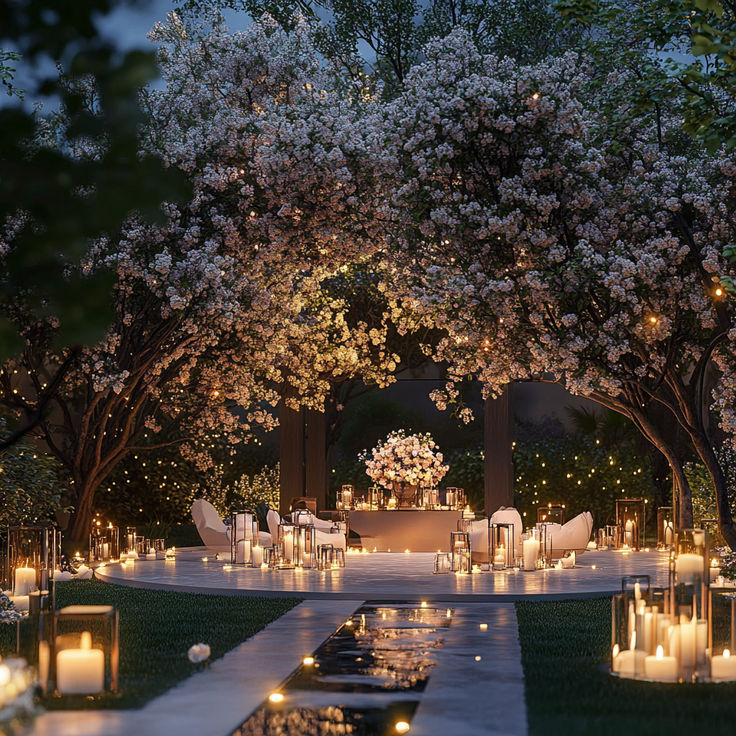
x: 563, y: 645
x: 156, y: 630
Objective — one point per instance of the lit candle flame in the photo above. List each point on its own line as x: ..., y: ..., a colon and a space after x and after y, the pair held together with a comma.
x: 660, y: 652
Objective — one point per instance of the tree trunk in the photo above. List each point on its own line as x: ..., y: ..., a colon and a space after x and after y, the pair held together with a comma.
x: 684, y: 497
x: 725, y: 518
x: 79, y: 527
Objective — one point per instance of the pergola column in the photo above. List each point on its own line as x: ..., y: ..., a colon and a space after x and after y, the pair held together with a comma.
x: 498, y: 465
x: 291, y: 454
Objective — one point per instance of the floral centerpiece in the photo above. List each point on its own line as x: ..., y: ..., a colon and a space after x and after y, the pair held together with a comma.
x: 405, y: 462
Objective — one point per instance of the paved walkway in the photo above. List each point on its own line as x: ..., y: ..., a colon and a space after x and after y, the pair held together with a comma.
x: 393, y: 576
x: 465, y: 695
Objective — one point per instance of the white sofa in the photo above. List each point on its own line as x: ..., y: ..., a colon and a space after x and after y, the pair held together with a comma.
x: 479, y: 533
x: 212, y: 529
x: 572, y: 536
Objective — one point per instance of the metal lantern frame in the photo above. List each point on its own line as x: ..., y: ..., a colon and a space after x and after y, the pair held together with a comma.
x: 102, y: 622
x: 551, y: 513
x: 679, y: 633
x: 460, y: 552
x: 501, y: 535
x: 243, y: 533
x: 34, y: 550
x: 305, y: 548
x: 631, y: 511
x: 131, y: 539
x: 104, y: 544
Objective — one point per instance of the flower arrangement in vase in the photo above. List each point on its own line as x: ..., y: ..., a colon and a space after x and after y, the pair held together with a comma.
x: 404, y: 463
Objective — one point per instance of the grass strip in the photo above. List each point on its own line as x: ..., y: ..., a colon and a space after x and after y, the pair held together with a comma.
x: 156, y: 630
x: 564, y: 643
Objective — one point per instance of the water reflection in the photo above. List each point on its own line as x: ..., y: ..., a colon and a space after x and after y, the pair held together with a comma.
x: 364, y: 679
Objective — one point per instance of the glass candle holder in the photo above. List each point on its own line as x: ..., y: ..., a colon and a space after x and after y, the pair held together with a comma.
x: 32, y: 554
x: 305, y: 551
x: 665, y: 527
x: 689, y: 572
x: 83, y: 655
x: 501, y: 545
x: 551, y: 513
x: 286, y: 540
x: 131, y: 540
x: 105, y: 544
x: 460, y: 552
x: 631, y: 520
x: 442, y: 563
x: 451, y: 497
x: 324, y: 556
x: 722, y: 634
x: 243, y: 537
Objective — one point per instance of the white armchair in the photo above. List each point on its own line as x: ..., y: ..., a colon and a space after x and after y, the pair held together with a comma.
x: 572, y: 536
x: 212, y: 529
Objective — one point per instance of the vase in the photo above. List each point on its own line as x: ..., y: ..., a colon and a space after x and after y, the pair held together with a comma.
x: 406, y: 494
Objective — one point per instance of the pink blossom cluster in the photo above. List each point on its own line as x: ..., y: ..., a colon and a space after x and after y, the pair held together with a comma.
x: 411, y: 459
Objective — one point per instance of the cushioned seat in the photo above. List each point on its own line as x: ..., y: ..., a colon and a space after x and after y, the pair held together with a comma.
x: 572, y: 536
x: 212, y: 529
x: 479, y: 533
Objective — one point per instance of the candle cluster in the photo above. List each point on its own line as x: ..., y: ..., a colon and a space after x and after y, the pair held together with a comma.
x: 16, y: 688
x: 676, y: 634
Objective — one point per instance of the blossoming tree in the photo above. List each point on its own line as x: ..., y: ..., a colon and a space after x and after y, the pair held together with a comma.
x: 213, y: 305
x: 548, y: 245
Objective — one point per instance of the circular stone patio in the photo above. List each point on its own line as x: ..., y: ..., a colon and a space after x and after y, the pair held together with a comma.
x: 390, y: 576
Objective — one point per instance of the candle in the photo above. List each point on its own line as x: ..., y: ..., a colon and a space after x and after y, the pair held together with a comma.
x: 243, y: 552
x: 151, y: 555
x: 25, y: 581
x: 687, y: 567
x: 530, y: 553
x: 20, y: 602
x: 723, y: 667
x: 289, y: 546
x: 257, y: 555
x: 568, y: 562
x: 628, y: 663
x: 715, y: 569
x: 499, y: 559
x: 659, y: 667
x: 669, y: 532
x: 80, y: 671
x: 629, y: 533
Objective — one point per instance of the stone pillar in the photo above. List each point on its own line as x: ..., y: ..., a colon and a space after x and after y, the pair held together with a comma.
x: 316, y: 457
x: 498, y: 468
x: 291, y: 454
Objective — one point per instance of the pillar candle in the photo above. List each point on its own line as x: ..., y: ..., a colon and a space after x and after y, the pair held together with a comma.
x: 659, y: 667
x: 243, y: 552
x: 80, y: 671
x: 25, y: 581
x: 20, y: 602
x: 629, y: 533
x: 257, y: 555
x: 723, y: 666
x: 687, y: 567
x: 530, y: 553
x: 629, y: 663
x: 289, y: 545
x: 668, y: 533
x: 151, y: 555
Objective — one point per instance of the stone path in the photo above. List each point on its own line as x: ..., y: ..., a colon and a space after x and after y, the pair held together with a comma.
x: 393, y: 576
x: 464, y: 696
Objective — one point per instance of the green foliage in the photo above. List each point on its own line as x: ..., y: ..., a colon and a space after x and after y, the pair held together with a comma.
x: 156, y: 630
x: 704, y: 497
x: 562, y: 645
x: 30, y: 485
x: 584, y: 473
x: 157, y: 487
x: 245, y: 492
x: 467, y: 471
x: 67, y: 198
x: 680, y: 52
x: 379, y: 40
